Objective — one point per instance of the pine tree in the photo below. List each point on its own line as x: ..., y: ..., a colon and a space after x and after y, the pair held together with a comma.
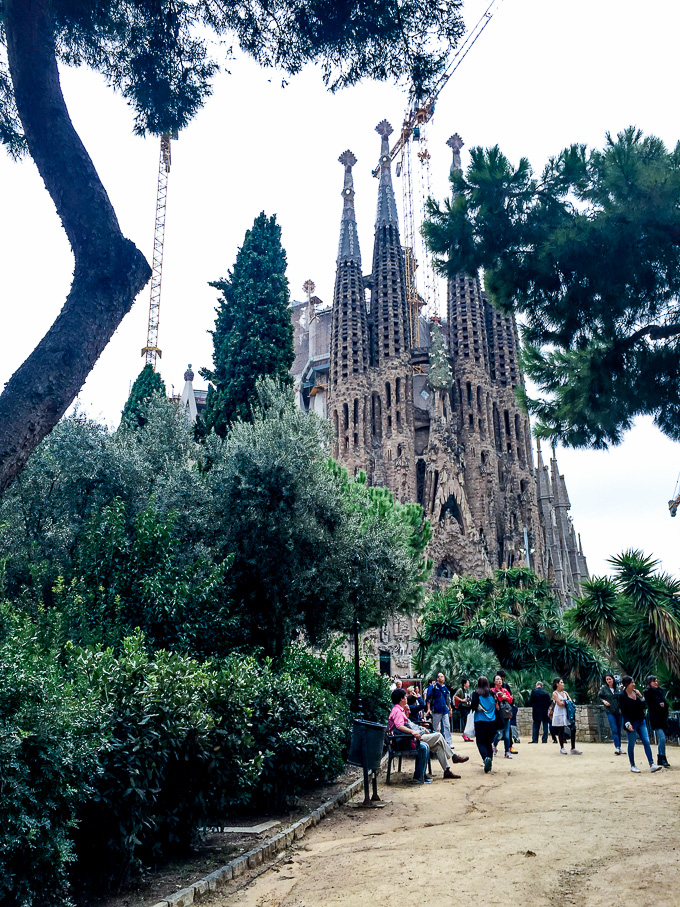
x: 147, y: 384
x: 253, y: 333
x: 589, y: 256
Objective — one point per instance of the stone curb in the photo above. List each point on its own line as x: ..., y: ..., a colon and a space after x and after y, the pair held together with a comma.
x: 260, y: 854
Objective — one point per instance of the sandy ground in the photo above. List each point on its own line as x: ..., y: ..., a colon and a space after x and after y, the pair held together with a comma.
x: 542, y: 829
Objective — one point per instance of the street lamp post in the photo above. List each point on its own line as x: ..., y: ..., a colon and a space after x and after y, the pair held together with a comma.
x: 357, y: 705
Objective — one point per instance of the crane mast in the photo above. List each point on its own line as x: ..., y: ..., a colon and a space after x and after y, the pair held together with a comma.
x: 414, y: 168
x: 151, y: 351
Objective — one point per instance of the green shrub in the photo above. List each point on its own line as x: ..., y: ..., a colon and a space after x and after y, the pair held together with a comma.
x: 161, y: 752
x: 334, y: 673
x: 47, y: 763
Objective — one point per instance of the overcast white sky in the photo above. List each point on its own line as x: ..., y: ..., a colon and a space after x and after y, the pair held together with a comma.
x: 543, y: 74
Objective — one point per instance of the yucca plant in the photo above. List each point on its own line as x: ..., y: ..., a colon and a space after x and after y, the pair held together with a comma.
x: 460, y: 658
x: 597, y: 615
x: 651, y: 602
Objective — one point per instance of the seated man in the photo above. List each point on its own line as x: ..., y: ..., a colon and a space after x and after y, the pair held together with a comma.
x: 396, y: 725
x: 401, y: 724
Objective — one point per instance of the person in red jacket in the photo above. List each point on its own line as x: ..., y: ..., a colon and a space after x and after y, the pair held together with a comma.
x: 502, y: 693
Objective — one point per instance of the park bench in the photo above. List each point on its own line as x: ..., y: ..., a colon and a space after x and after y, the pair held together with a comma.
x: 398, y: 746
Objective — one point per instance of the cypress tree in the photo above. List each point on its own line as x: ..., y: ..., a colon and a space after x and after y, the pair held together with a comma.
x: 253, y: 333
x: 147, y: 384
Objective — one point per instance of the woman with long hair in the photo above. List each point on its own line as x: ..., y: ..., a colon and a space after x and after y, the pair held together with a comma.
x: 609, y: 697
x: 633, y: 711
x: 485, y: 708
x: 561, y: 719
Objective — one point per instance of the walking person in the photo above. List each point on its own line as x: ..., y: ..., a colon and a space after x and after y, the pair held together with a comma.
x: 609, y: 697
x: 539, y: 701
x: 633, y: 711
x: 655, y: 698
x: 564, y: 717
x: 504, y: 699
x: 439, y: 703
x: 485, y: 708
x: 462, y: 702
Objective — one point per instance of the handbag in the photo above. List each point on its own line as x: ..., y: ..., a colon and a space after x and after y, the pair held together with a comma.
x: 470, y: 725
x: 506, y: 709
x: 571, y: 711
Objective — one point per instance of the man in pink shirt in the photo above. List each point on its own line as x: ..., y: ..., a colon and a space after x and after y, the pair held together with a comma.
x: 399, y: 723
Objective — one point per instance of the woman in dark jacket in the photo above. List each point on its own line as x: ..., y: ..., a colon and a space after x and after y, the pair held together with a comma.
x: 655, y: 698
x: 609, y: 697
x: 633, y: 710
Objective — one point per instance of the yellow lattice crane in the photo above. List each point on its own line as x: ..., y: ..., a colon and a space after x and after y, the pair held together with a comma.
x: 151, y: 351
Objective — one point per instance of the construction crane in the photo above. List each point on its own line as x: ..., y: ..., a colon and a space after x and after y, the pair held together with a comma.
x: 674, y: 503
x: 151, y: 352
x: 414, y: 167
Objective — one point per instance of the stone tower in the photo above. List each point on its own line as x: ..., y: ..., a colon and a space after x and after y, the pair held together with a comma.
x: 439, y: 423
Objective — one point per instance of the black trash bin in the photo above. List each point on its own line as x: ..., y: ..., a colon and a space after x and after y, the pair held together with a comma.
x: 366, y: 748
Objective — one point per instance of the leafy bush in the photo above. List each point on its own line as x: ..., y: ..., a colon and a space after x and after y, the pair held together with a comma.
x: 333, y: 672
x: 161, y: 751
x: 516, y: 617
x: 460, y: 658
x: 47, y: 763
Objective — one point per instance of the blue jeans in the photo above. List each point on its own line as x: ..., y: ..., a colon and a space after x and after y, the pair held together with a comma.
x: 536, y: 728
x: 660, y: 741
x: 616, y: 725
x: 422, y: 757
x: 504, y: 735
x: 639, y: 729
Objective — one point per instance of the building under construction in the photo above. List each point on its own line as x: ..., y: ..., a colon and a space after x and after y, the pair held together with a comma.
x: 427, y: 408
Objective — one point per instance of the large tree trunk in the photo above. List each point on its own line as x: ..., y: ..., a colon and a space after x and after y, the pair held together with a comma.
x: 109, y: 270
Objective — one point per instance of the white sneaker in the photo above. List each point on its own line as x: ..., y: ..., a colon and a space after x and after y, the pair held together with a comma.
x: 576, y: 752
x: 563, y: 751
x: 655, y: 768
x: 635, y: 769
x: 617, y: 752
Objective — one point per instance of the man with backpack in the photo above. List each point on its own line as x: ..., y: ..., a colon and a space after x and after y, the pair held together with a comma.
x: 439, y: 706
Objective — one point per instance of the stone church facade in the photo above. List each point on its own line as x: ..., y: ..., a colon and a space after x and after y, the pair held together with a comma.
x: 461, y: 448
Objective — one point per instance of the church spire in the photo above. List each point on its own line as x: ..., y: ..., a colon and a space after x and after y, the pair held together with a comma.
x: 349, y: 326
x: 390, y: 334
x: 348, y: 247
x: 387, y: 209
x: 455, y: 143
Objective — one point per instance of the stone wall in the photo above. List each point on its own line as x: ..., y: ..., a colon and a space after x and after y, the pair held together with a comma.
x: 591, y: 724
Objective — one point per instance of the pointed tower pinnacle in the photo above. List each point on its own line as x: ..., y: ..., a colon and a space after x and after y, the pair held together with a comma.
x: 386, y: 214
x: 389, y: 323
x: 348, y: 247
x: 455, y: 143
x: 349, y: 326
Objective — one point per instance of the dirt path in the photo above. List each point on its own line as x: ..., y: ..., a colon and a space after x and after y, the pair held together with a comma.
x: 542, y: 829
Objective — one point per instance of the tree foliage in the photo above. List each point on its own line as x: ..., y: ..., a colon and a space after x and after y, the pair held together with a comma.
x: 157, y: 55
x: 512, y: 617
x: 147, y: 383
x: 243, y: 542
x: 633, y: 617
x: 589, y: 256
x: 253, y: 333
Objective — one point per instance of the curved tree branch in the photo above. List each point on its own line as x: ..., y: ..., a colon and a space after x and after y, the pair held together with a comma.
x: 109, y: 270
x: 653, y: 331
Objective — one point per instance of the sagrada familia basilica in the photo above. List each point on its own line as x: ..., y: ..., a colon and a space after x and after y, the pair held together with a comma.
x: 427, y: 408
